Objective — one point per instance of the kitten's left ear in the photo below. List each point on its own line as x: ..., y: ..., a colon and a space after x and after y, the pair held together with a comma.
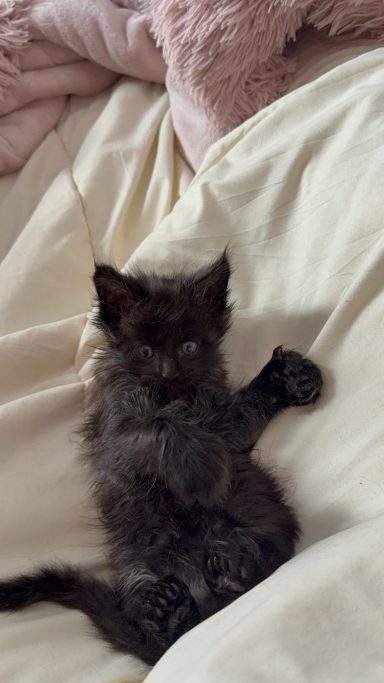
x: 212, y: 286
x: 117, y: 295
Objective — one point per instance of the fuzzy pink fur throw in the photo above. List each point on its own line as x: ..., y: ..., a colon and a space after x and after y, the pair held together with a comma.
x: 227, y: 58
x: 222, y: 60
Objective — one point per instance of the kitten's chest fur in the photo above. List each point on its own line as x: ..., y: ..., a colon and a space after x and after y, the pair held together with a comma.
x: 138, y: 510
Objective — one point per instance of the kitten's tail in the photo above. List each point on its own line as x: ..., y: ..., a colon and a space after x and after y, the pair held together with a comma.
x: 72, y: 588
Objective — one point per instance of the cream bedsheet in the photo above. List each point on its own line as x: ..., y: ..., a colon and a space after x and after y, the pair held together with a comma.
x: 298, y: 193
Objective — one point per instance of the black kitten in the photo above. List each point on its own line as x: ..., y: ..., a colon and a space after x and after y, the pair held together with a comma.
x: 191, y: 521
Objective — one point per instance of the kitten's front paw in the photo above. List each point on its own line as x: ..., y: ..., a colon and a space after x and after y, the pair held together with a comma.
x: 168, y: 607
x: 292, y: 380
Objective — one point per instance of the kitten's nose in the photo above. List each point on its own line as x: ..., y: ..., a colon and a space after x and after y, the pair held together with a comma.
x: 169, y: 369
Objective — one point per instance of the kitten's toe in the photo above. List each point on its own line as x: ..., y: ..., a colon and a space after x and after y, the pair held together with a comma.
x: 217, y: 571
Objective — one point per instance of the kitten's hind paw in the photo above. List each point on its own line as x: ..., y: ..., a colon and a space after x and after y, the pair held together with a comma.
x: 169, y: 607
x: 225, y: 574
x: 291, y: 379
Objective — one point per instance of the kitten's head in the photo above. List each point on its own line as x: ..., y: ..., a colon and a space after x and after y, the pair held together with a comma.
x: 165, y: 330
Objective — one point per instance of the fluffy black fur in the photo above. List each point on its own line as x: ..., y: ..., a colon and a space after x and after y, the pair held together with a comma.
x: 191, y: 521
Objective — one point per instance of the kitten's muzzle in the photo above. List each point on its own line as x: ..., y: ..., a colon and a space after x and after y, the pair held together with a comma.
x: 169, y: 369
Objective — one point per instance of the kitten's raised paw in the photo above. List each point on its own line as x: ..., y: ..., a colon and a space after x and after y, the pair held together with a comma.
x: 292, y: 380
x: 168, y: 606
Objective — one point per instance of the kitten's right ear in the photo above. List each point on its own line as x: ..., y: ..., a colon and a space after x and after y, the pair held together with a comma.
x: 116, y: 293
x: 211, y: 286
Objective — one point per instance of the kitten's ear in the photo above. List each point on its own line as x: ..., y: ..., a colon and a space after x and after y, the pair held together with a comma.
x: 212, y: 286
x: 116, y: 293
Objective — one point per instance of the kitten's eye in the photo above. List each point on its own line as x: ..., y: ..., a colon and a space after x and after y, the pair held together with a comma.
x: 189, y: 348
x: 146, y: 351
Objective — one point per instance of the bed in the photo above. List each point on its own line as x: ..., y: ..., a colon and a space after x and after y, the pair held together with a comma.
x: 297, y: 193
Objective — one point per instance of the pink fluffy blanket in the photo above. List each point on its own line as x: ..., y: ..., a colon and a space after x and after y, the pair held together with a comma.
x: 221, y: 60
